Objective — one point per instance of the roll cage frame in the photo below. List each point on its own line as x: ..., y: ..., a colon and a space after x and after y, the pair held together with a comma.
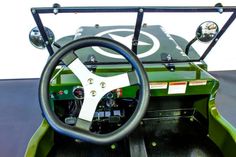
x: 57, y: 9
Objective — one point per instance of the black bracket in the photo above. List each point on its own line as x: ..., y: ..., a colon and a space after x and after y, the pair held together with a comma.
x: 138, y: 26
x: 189, y: 44
x: 168, y: 58
x: 91, y: 63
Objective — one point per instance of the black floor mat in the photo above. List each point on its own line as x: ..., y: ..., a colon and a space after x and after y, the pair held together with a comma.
x: 73, y: 149
x: 183, y: 139
x: 172, y: 146
x: 178, y: 145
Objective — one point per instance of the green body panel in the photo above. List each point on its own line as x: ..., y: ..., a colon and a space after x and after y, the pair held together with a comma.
x: 66, y: 80
x: 220, y: 131
x: 41, y: 142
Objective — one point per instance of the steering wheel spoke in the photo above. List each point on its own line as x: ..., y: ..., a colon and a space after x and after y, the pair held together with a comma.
x: 100, y: 86
x: 77, y: 67
x: 95, y: 87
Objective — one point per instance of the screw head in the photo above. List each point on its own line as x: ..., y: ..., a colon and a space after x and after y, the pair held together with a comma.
x: 93, y: 93
x: 191, y: 119
x: 33, y: 11
x: 103, y: 84
x: 113, y: 146
x: 55, y: 11
x: 154, y: 144
x: 140, y: 10
x: 46, y: 43
x: 145, y: 25
x: 90, y: 81
x: 96, y: 25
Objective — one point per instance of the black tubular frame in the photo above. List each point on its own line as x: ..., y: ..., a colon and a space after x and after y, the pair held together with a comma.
x: 218, y: 8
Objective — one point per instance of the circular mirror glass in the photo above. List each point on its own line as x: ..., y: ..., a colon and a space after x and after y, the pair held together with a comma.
x: 36, y: 38
x: 207, y: 31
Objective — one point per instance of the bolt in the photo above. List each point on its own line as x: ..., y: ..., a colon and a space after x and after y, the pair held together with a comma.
x: 145, y: 25
x: 33, y: 11
x: 77, y: 141
x: 55, y: 11
x: 93, y: 92
x: 135, y: 42
x: 103, y: 84
x: 140, y: 10
x: 191, y: 119
x: 113, y: 146
x: 90, y: 81
x: 96, y: 25
x: 220, y: 10
x: 169, y: 57
x: 46, y: 43
x: 154, y: 144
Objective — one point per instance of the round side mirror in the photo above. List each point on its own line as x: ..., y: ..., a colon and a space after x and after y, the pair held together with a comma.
x: 36, y: 38
x: 207, y: 31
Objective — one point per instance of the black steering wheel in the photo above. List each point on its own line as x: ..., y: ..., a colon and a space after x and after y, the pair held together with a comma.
x: 95, y: 87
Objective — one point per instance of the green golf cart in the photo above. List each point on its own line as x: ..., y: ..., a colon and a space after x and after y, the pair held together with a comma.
x: 129, y: 90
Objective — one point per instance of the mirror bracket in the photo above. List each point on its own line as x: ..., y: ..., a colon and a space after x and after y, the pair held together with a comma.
x: 189, y: 44
x: 206, y: 32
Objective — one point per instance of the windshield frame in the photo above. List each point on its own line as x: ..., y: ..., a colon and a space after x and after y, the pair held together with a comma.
x: 56, y: 9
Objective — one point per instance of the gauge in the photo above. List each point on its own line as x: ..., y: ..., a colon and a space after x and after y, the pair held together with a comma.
x: 78, y: 92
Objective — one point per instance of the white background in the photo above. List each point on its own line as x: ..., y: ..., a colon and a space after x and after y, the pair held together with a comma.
x: 19, y: 59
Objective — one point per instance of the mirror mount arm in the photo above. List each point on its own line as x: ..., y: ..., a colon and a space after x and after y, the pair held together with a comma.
x: 42, y: 31
x: 189, y: 44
